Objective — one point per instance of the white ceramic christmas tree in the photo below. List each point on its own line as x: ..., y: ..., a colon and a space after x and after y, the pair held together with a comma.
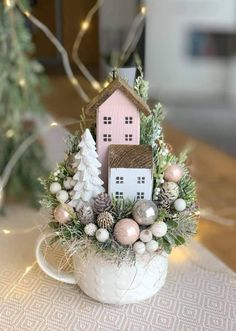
x: 88, y: 184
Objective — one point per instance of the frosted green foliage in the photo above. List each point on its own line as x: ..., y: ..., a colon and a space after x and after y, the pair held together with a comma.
x: 19, y: 73
x: 20, y: 80
x: 151, y: 126
x: 141, y: 86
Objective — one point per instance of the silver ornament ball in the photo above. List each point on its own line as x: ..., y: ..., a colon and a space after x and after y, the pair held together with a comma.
x: 145, y: 212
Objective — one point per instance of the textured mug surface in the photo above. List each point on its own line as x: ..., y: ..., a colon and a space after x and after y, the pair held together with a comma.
x: 106, y: 281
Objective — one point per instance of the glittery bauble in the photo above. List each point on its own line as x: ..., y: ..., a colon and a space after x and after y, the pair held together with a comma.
x: 145, y: 212
x: 139, y: 247
x: 173, y: 173
x: 152, y: 246
x: 90, y: 229
x: 55, y: 187
x: 102, y: 235
x: 62, y: 213
x: 62, y: 196
x: 145, y: 236
x: 180, y: 205
x: 126, y: 231
x: 159, y: 229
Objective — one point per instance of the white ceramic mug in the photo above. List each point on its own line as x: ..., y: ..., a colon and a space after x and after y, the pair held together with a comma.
x: 108, y: 282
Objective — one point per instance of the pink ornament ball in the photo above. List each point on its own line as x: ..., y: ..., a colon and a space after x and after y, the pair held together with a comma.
x: 62, y: 213
x: 173, y: 173
x: 126, y: 231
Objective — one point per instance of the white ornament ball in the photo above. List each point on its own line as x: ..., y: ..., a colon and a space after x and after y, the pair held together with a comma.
x: 139, y: 247
x: 180, y: 204
x: 72, y: 182
x: 102, y: 235
x: 152, y: 246
x: 62, y: 196
x: 159, y: 229
x: 145, y: 236
x: 90, y: 229
x: 67, y: 183
x: 55, y: 187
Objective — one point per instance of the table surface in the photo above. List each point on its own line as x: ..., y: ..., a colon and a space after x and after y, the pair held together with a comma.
x: 199, y: 293
x: 215, y: 173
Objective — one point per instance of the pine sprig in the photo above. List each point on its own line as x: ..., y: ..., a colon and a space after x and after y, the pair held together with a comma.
x: 121, y: 208
x: 187, y: 188
x: 151, y: 126
x: 141, y: 85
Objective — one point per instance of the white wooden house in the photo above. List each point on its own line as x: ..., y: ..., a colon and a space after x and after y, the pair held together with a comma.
x: 130, y: 171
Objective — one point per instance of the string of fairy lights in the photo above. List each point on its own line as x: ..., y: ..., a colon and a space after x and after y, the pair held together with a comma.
x: 133, y: 37
x: 84, y: 26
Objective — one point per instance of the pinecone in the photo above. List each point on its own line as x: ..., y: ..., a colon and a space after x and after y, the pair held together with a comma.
x: 105, y: 220
x: 85, y: 214
x: 168, y: 194
x: 70, y: 161
x: 102, y: 203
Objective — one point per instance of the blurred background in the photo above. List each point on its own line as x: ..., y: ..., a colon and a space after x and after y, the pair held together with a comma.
x: 188, y: 50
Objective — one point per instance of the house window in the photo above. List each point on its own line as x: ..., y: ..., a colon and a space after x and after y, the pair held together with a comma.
x: 141, y: 180
x: 128, y: 137
x: 140, y: 195
x: 128, y: 120
x: 107, y: 137
x: 119, y: 180
x: 107, y: 120
x: 119, y: 195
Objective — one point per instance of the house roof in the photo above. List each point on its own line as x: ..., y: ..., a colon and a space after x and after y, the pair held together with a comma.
x: 114, y: 85
x: 130, y: 156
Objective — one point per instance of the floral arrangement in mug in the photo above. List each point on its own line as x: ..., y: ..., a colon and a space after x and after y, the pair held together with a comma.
x: 126, y: 193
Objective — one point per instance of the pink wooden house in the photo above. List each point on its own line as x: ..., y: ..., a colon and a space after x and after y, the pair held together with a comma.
x: 117, y: 109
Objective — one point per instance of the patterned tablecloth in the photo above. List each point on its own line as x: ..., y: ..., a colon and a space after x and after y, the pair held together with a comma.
x: 199, y: 294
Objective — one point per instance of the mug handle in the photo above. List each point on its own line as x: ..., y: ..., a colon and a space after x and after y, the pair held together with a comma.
x: 62, y: 276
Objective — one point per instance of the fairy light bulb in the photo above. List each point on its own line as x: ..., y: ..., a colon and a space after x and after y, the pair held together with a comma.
x: 85, y: 25
x: 5, y: 231
x: 8, y: 3
x: 143, y: 10
x: 106, y: 83
x: 22, y: 82
x: 74, y: 81
x: 54, y: 124
x: 96, y: 85
x: 10, y: 133
x: 27, y: 13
